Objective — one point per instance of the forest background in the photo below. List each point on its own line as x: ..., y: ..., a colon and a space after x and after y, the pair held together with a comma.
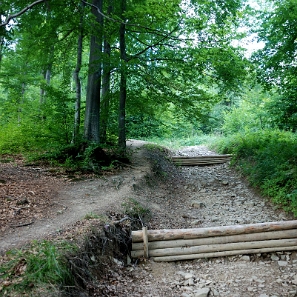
x: 78, y: 78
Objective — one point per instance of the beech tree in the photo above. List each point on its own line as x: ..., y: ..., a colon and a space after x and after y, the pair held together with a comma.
x: 144, y: 58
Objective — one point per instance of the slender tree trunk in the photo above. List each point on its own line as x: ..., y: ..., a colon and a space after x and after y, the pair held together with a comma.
x: 77, y: 80
x: 21, y: 102
x: 1, y: 48
x: 47, y: 77
x: 123, y: 82
x: 2, y: 32
x: 105, y: 84
x: 92, y: 116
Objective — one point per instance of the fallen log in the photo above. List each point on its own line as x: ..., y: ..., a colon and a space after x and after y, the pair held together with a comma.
x: 172, y: 234
x: 284, y: 234
x: 223, y: 254
x: 217, y: 248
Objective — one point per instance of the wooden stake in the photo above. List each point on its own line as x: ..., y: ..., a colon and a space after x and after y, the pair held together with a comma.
x: 145, y: 243
x: 173, y: 234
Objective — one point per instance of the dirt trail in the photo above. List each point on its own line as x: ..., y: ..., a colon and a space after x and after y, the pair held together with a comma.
x: 80, y: 198
x: 223, y: 199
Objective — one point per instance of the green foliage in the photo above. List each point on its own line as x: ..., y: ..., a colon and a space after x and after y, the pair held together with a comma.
x: 42, y: 263
x: 277, y: 66
x: 186, y: 140
x: 268, y: 158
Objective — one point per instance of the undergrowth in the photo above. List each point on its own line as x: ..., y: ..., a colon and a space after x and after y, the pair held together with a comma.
x: 41, y: 265
x: 77, y: 268
x: 175, y: 143
x: 83, y: 157
x: 269, y: 160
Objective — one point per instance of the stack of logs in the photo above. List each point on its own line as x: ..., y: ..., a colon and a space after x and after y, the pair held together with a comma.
x: 187, y: 244
x: 201, y: 160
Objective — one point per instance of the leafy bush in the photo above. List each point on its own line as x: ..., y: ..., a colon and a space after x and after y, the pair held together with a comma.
x: 268, y: 158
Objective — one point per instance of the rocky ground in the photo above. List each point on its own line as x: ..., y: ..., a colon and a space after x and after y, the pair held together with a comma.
x: 182, y: 197
x: 221, y: 198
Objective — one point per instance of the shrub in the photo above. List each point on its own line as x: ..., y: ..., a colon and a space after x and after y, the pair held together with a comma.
x: 268, y: 158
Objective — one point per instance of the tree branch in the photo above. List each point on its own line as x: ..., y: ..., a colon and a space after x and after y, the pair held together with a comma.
x: 13, y: 16
x: 153, y: 45
x: 150, y: 30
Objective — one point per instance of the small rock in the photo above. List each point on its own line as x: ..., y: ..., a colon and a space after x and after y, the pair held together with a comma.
x: 264, y: 295
x: 246, y: 258
x: 197, y: 204
x: 196, y: 222
x: 294, y: 281
x: 274, y: 257
x: 214, y: 219
x: 282, y: 263
x: 225, y: 182
x: 185, y: 295
x: 202, y: 292
x: 188, y: 275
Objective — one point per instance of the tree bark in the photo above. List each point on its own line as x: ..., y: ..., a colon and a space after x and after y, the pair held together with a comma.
x: 76, y: 78
x: 123, y: 82
x: 92, y: 116
x: 105, y: 83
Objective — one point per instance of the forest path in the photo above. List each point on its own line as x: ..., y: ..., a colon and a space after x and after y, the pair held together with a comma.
x: 224, y: 199
x: 66, y: 202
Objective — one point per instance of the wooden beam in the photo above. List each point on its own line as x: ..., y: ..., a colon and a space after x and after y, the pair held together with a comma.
x: 223, y: 254
x: 173, y: 234
x: 200, y: 160
x: 218, y: 248
x: 184, y: 243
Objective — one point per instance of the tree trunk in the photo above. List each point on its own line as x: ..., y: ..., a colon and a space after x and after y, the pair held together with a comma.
x: 105, y: 84
x: 47, y: 78
x: 123, y: 82
x: 92, y: 116
x: 77, y: 80
x: 1, y: 48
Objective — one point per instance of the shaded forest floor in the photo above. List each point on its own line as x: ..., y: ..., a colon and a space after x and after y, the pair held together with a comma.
x: 40, y: 203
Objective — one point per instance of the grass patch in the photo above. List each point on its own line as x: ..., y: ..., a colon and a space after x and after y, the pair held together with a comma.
x: 176, y: 143
x: 42, y: 265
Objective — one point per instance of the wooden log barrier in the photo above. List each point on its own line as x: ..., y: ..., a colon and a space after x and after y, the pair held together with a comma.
x: 200, y: 160
x: 185, y: 244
